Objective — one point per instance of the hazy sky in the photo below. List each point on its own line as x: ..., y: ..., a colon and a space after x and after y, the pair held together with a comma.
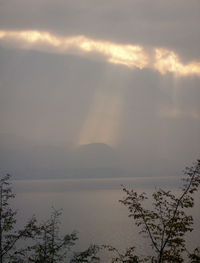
x: 124, y: 73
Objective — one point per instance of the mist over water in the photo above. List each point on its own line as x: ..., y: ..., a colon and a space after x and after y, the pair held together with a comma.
x: 91, y: 207
x: 93, y: 97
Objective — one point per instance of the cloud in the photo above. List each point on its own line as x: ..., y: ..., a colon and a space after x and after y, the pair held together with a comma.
x: 102, y: 121
x: 168, y: 61
x: 128, y: 55
x: 168, y: 24
x: 133, y: 56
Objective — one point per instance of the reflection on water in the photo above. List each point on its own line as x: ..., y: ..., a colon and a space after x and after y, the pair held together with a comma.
x: 91, y: 207
x: 63, y: 185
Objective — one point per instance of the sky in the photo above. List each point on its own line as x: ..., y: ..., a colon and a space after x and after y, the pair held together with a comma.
x: 99, y: 87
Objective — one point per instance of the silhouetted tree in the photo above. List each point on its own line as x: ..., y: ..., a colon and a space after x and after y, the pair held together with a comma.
x: 49, y: 246
x: 195, y: 256
x: 9, y: 235
x: 87, y: 256
x: 167, y: 223
x: 128, y: 256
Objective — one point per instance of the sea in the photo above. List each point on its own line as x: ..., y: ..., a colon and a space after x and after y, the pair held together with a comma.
x: 91, y: 207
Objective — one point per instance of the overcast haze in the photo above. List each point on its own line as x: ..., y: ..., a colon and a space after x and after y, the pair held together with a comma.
x: 99, y: 88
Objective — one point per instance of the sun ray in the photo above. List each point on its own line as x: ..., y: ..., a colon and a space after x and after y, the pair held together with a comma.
x: 132, y: 56
x: 101, y: 124
x: 102, y: 121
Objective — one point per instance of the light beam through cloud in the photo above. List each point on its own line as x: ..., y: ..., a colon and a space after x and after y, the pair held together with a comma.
x: 132, y: 56
x: 102, y: 121
x: 128, y: 55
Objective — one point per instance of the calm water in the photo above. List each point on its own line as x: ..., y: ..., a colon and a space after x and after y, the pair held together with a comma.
x: 91, y: 207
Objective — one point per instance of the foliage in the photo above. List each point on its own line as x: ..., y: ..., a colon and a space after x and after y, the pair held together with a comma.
x: 87, y: 256
x: 49, y: 247
x: 167, y: 223
x: 127, y: 257
x: 195, y: 256
x: 9, y: 236
x: 45, y: 245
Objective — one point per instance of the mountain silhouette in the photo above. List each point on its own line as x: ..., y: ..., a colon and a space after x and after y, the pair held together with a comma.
x: 24, y: 159
x: 95, y: 155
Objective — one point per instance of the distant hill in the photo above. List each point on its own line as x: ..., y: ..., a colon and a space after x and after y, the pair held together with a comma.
x: 25, y: 160
x: 96, y: 160
x: 95, y: 155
